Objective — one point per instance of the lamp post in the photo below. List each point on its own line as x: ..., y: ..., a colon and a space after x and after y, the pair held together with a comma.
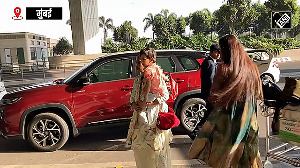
x: 251, y: 29
x: 211, y: 29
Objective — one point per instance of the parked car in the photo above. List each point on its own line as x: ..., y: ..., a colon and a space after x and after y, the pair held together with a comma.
x: 47, y: 114
x: 266, y: 63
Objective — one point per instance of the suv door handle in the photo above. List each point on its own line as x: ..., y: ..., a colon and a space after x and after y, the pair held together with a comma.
x: 179, y: 80
x: 126, y: 88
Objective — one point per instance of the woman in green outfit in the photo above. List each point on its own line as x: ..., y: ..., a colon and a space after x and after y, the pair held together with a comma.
x: 229, y: 138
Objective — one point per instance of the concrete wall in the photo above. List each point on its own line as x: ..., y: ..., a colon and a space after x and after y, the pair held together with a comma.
x: 72, y: 60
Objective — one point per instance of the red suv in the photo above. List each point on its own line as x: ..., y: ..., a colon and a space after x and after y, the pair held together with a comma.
x: 98, y: 93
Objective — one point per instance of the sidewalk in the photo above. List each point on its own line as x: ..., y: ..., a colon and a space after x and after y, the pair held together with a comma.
x: 294, y: 54
x: 82, y: 152
x: 175, y: 164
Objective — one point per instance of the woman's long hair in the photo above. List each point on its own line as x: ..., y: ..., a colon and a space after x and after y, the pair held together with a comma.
x: 237, y: 79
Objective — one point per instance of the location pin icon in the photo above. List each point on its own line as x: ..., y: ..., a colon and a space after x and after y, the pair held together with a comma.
x: 17, y: 11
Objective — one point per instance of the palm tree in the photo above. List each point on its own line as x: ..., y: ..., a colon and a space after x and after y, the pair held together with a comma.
x: 149, y: 22
x: 170, y: 21
x: 164, y: 13
x: 106, y: 25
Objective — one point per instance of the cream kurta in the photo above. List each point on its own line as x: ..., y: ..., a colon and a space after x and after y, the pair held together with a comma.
x: 150, y: 144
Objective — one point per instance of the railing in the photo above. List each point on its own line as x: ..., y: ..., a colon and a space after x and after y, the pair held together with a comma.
x: 18, y: 75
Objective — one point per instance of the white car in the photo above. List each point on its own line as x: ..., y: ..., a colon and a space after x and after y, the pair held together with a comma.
x: 2, y: 90
x: 266, y: 63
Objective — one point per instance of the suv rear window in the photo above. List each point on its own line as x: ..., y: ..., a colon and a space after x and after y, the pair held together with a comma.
x: 188, y: 63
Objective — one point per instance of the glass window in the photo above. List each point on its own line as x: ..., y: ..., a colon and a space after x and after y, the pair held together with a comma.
x: 166, y: 64
x: 114, y: 70
x: 32, y: 42
x: 38, y: 43
x: 188, y: 63
x: 33, y: 53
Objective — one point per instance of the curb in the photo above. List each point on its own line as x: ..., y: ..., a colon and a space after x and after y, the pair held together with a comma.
x: 283, y: 59
x: 131, y: 164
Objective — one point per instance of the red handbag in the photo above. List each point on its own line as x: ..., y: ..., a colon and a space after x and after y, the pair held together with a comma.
x: 167, y: 120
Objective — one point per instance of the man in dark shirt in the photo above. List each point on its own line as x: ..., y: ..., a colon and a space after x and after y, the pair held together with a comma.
x: 208, y: 71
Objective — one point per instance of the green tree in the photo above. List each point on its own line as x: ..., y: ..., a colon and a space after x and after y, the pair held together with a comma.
x: 221, y: 19
x: 160, y: 26
x: 164, y: 13
x: 201, y: 21
x: 63, y: 47
x: 138, y: 44
x: 200, y: 41
x: 165, y: 24
x: 180, y: 25
x: 125, y: 33
x: 171, y: 24
x: 106, y: 24
x: 149, y: 22
x: 262, y: 24
x: 235, y: 15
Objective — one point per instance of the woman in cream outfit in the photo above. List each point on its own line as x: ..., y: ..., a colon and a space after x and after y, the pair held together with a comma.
x: 150, y: 144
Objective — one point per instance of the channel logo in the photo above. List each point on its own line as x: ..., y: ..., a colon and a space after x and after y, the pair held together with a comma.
x: 281, y: 20
x: 43, y: 13
x: 17, y: 15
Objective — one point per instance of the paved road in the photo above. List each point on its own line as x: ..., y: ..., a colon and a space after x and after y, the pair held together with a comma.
x: 15, y: 80
x: 287, y: 69
x: 101, y: 148
x: 104, y: 147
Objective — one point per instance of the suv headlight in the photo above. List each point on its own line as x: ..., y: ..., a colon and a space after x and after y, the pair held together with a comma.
x: 11, y: 100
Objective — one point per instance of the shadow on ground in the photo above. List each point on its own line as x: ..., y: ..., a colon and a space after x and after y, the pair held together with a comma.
x: 97, y: 139
x: 104, y: 138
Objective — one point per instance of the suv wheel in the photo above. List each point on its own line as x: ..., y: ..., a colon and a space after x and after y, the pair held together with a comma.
x: 47, y: 132
x: 191, y: 113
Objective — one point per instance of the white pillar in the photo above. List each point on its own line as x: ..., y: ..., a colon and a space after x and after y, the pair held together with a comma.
x: 85, y: 26
x: 93, y: 46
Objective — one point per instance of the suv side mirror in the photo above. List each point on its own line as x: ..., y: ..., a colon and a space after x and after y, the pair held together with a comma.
x: 84, y: 81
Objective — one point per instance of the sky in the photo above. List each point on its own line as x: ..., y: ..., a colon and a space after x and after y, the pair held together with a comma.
x: 118, y: 10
